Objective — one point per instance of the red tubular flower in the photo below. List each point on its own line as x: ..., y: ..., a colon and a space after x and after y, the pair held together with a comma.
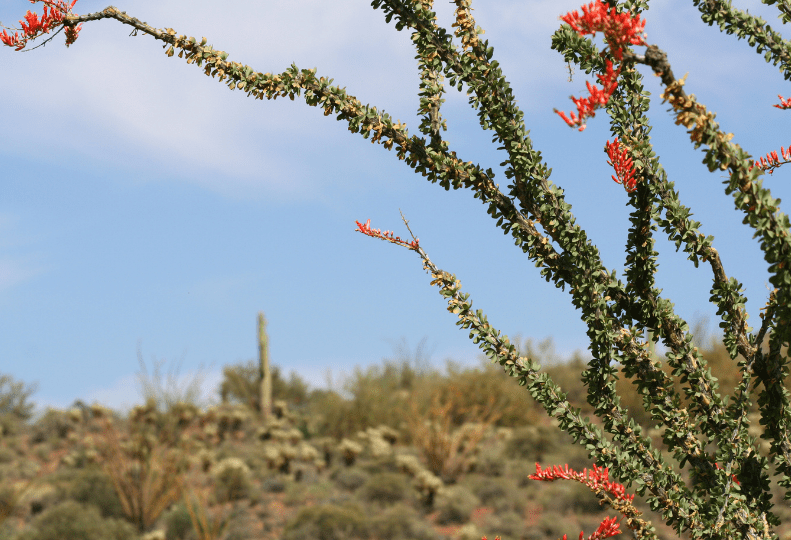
x: 32, y: 26
x: 770, y: 162
x: 609, y: 527
x: 597, y: 480
x: 387, y: 235
x: 785, y: 102
x: 620, y: 30
x: 623, y: 165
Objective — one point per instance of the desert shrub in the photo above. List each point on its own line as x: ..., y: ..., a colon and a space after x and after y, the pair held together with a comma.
x: 488, y: 490
x: 486, y: 387
x: 9, y: 425
x: 295, y: 494
x: 377, y: 396
x: 551, y: 525
x: 327, y: 522
x: 167, y: 426
x: 7, y: 455
x: 350, y: 479
x: 178, y: 524
x: 274, y: 484
x: 72, y: 520
x: 38, y: 497
x: 401, y: 522
x: 54, y: 423
x: 455, y: 504
x: 520, y: 470
x: 240, y: 525
x: 470, y: 531
x: 13, y: 400
x: 321, y: 490
x: 569, y: 497
x: 531, y: 442
x: 385, y: 488
x: 241, y: 385
x: 506, y: 525
x: 489, y: 460
x: 92, y: 486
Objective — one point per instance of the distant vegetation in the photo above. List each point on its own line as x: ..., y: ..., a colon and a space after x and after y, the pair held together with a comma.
x: 400, y: 451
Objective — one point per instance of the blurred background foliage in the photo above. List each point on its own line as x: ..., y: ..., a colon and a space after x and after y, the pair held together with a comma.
x: 446, y: 452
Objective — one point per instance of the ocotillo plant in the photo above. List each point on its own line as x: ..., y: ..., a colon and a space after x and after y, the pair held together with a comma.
x: 534, y: 211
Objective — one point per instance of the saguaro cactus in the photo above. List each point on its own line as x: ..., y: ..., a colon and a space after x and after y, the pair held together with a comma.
x: 265, y: 397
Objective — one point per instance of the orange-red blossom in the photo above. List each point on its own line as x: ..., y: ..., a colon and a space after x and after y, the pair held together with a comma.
x: 32, y: 26
x: 598, y: 479
x: 623, y: 165
x: 387, y: 235
x: 772, y: 160
x: 620, y: 30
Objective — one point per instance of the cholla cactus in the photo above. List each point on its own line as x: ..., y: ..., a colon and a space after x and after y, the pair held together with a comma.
x: 306, y: 453
x: 377, y: 444
x: 409, y: 464
x: 428, y: 485
x: 205, y: 459
x: 349, y: 450
x: 389, y: 434
x: 233, y: 479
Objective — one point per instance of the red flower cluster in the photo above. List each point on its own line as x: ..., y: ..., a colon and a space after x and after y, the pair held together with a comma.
x: 32, y: 26
x: 387, y: 235
x: 623, y: 165
x: 772, y: 160
x: 597, y: 479
x: 620, y: 30
x: 785, y: 102
x: 586, y: 107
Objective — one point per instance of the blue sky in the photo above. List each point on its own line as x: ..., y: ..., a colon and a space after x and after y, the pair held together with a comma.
x: 145, y: 207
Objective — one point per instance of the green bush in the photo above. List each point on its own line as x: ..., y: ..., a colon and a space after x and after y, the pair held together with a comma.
x: 241, y: 385
x: 385, y: 488
x: 327, y: 522
x: 569, y: 497
x: 14, y: 407
x: 72, y: 520
x: 505, y: 525
x: 489, y: 460
x: 92, y: 486
x: 7, y: 455
x: 274, y: 484
x: 401, y: 523
x: 54, y: 423
x: 489, y: 491
x: 178, y: 524
x: 553, y: 525
x: 532, y: 443
x: 455, y: 505
x: 351, y: 478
